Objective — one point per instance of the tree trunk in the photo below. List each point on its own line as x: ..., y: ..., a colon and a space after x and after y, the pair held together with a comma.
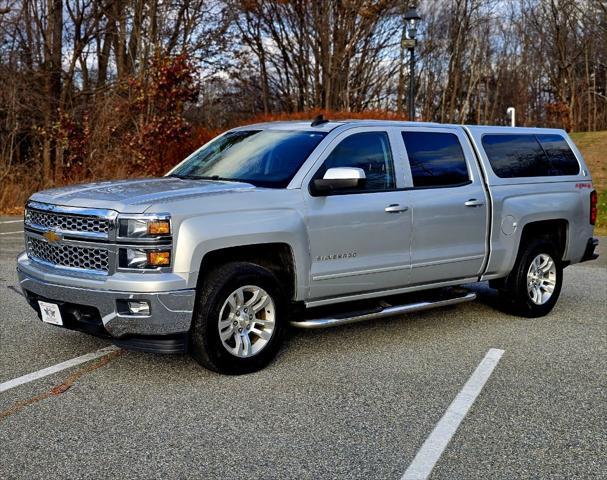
x: 53, y: 51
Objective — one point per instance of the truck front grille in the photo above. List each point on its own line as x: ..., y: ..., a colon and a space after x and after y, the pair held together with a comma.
x: 67, y: 222
x: 63, y: 255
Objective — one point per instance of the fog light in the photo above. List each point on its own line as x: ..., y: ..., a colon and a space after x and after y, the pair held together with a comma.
x: 138, y: 308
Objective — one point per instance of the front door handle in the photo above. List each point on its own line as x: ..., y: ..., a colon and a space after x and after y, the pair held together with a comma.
x: 473, y: 202
x: 396, y: 208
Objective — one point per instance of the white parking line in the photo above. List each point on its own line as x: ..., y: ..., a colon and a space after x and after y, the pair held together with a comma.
x: 56, y: 368
x: 437, y: 441
x: 11, y: 233
x: 11, y: 221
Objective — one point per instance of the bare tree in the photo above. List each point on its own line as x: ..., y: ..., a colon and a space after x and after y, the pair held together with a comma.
x: 68, y: 68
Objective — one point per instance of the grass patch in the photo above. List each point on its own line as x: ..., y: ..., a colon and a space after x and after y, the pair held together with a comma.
x: 601, y: 222
x: 593, y: 146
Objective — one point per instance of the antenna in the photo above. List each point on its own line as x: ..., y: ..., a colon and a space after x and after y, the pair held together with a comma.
x: 318, y: 120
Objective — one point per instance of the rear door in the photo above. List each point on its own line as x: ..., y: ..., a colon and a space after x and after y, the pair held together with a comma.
x: 448, y: 203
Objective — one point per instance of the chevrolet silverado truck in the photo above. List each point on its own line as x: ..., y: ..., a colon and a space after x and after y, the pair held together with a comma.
x: 313, y: 225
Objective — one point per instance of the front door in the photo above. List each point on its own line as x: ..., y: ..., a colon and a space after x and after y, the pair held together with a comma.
x: 360, y: 238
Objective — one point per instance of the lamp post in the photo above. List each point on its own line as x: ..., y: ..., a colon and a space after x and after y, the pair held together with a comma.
x: 412, y: 18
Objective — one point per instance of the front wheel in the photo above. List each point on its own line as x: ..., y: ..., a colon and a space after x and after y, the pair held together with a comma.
x: 237, y: 325
x: 534, y: 285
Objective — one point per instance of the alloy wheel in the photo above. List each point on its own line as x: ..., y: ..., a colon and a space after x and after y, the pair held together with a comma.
x: 246, y: 321
x: 541, y: 279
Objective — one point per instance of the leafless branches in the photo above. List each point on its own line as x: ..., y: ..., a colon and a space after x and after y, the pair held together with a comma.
x: 74, y: 59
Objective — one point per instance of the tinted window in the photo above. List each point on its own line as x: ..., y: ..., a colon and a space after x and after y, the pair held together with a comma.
x: 267, y: 158
x: 369, y: 151
x: 436, y: 159
x: 515, y: 155
x: 529, y: 155
x: 562, y: 159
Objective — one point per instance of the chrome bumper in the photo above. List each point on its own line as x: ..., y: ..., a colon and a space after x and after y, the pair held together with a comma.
x: 170, y: 310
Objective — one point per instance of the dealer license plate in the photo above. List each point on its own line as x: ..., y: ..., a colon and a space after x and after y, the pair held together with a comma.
x: 50, y: 313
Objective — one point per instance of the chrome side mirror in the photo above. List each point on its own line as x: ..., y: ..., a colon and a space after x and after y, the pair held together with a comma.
x: 340, y: 178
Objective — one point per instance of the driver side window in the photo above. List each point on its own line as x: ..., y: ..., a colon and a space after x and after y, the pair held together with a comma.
x: 369, y: 151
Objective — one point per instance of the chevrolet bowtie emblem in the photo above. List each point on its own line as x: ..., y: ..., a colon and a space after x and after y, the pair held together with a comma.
x: 51, y: 236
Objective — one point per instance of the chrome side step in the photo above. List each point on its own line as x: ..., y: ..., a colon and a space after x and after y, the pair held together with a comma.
x: 387, y: 311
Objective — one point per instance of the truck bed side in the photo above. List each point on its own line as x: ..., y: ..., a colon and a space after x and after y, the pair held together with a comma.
x: 522, y: 203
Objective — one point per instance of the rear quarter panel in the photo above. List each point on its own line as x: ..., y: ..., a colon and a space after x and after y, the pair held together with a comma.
x: 515, y: 206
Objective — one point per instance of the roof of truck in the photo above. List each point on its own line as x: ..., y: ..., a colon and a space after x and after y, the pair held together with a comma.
x: 331, y: 125
x: 328, y: 126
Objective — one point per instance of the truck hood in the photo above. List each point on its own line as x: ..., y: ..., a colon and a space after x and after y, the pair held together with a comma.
x: 134, y: 196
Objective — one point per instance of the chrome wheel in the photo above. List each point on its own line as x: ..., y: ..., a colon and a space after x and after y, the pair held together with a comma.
x: 541, y: 279
x: 246, y: 321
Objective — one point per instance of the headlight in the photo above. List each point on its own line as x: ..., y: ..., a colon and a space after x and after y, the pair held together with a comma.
x: 144, y: 241
x: 142, y: 226
x: 141, y: 258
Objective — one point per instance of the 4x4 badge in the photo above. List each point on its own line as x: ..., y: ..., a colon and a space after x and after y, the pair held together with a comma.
x: 51, y: 236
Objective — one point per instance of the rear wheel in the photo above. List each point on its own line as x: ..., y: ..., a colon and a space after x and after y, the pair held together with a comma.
x: 534, y: 285
x: 236, y: 327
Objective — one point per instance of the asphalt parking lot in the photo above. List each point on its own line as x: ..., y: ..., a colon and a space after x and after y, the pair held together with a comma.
x: 351, y: 402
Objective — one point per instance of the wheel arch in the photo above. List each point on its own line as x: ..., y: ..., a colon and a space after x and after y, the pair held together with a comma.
x: 556, y: 229
x: 277, y: 257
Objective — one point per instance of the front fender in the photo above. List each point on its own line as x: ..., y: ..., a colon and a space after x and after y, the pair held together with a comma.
x: 203, y: 234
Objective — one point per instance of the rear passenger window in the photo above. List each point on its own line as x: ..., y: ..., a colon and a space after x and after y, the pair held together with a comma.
x: 436, y: 159
x: 561, y: 157
x: 529, y: 155
x: 369, y: 151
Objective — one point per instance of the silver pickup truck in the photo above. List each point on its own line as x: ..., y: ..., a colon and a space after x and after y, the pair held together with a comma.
x: 313, y: 225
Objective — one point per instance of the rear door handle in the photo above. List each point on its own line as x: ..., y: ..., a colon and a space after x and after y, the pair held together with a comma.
x: 473, y: 202
x: 396, y: 208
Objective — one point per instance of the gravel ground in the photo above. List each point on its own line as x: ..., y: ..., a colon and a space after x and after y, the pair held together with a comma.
x: 351, y: 402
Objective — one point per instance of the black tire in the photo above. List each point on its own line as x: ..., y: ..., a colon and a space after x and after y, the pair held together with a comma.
x: 206, y: 345
x: 514, y: 296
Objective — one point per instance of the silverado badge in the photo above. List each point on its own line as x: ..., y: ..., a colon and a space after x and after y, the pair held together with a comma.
x: 51, y: 237
x: 335, y: 256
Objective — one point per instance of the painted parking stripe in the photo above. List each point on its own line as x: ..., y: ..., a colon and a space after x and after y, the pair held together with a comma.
x: 437, y: 441
x: 30, y: 377
x: 11, y: 233
x: 11, y: 221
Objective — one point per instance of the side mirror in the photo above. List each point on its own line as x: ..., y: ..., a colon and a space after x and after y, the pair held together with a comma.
x: 339, y: 179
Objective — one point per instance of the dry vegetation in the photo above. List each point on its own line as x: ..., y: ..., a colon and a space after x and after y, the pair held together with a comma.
x: 96, y: 89
x: 593, y: 146
x: 120, y: 161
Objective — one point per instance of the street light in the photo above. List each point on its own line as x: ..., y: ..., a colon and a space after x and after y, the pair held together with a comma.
x: 412, y: 20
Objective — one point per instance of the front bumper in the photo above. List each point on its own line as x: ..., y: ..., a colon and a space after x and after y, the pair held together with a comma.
x: 99, y: 311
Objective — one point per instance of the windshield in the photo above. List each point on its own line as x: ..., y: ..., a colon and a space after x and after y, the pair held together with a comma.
x: 264, y: 158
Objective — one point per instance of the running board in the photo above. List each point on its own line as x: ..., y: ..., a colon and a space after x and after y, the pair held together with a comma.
x: 387, y: 311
